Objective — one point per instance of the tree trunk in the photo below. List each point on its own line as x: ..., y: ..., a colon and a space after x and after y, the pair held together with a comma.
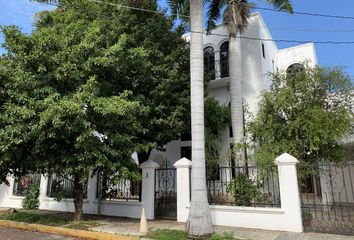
x: 78, y: 197
x: 235, y: 70
x: 199, y: 222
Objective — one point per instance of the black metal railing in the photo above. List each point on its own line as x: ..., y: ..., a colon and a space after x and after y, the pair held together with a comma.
x: 221, y: 70
x: 24, y: 183
x: 327, y: 197
x: 61, y: 187
x: 110, y: 188
x: 243, y: 186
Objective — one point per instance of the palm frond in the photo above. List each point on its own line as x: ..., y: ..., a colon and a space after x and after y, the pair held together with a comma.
x: 179, y: 7
x: 180, y: 10
x: 214, y: 9
x: 236, y: 16
x: 284, y: 5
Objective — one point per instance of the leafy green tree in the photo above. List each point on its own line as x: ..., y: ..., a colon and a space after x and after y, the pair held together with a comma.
x: 305, y: 113
x: 90, y: 85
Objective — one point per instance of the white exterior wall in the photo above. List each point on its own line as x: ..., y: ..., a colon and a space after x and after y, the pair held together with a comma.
x: 297, y: 54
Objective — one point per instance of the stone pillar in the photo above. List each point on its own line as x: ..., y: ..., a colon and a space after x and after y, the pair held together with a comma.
x: 183, y: 188
x: 148, y: 187
x: 289, y: 191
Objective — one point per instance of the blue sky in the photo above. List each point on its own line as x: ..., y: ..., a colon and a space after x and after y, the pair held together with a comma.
x: 21, y: 13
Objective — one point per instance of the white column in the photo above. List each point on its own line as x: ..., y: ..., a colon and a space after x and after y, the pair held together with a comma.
x: 91, y: 188
x: 148, y: 187
x: 43, y: 190
x: 289, y: 191
x: 183, y: 188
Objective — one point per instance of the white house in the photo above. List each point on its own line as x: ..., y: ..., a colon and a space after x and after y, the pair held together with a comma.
x: 261, y: 57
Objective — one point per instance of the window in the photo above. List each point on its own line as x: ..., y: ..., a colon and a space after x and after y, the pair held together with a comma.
x: 186, y: 152
x: 224, y: 59
x: 209, y: 63
x: 263, y: 50
x: 294, y: 69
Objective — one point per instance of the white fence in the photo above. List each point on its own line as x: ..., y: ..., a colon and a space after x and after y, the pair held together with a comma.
x: 285, y: 218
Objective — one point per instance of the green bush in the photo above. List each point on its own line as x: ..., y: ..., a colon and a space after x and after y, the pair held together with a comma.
x: 243, y: 190
x: 31, y: 201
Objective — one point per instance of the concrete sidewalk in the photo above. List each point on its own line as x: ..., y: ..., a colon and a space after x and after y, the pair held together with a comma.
x: 125, y: 226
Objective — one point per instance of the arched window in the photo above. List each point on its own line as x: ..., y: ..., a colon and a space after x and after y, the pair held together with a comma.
x: 294, y: 69
x: 224, y: 60
x: 209, y: 63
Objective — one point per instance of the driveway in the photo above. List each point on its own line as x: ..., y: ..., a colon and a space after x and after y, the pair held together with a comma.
x: 14, y: 234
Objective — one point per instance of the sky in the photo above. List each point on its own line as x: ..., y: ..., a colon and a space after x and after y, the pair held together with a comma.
x: 282, y: 26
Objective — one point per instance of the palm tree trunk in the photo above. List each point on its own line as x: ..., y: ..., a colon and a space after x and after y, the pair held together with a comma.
x: 235, y: 70
x: 199, y: 222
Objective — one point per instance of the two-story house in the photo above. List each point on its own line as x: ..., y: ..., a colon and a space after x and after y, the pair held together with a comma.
x: 261, y: 56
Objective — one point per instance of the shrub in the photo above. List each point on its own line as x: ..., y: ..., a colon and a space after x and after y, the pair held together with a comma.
x: 243, y: 190
x: 31, y: 194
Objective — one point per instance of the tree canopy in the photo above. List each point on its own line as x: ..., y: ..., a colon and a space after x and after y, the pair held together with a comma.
x: 305, y: 113
x: 88, y: 87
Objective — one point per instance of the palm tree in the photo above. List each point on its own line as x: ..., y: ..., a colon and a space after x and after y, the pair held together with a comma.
x: 199, y: 222
x: 235, y: 17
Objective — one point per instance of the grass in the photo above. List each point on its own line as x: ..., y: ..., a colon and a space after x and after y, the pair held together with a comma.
x: 29, y: 217
x: 49, y: 220
x: 181, y: 235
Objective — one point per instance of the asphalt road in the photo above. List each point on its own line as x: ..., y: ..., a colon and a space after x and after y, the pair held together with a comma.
x: 14, y: 234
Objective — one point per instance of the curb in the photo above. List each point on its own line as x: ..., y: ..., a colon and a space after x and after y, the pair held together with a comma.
x: 63, y: 231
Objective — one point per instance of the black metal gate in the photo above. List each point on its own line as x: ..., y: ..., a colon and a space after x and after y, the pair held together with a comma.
x: 165, y: 193
x: 327, y: 197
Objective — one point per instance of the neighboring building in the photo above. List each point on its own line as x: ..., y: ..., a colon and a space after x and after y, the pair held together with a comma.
x: 260, y: 57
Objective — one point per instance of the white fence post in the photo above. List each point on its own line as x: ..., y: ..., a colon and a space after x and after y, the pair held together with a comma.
x: 183, y: 188
x: 148, y: 187
x: 92, y: 187
x: 43, y: 190
x: 289, y: 190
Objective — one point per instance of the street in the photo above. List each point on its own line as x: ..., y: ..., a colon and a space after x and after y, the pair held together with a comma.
x: 14, y: 234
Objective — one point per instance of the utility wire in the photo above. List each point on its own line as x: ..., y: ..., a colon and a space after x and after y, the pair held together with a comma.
x: 136, y: 8
x: 308, y: 13
x: 281, y: 40
x: 226, y: 35
x: 186, y: 16
x: 261, y: 8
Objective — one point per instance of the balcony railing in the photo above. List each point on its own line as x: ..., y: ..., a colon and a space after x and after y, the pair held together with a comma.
x: 221, y: 70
